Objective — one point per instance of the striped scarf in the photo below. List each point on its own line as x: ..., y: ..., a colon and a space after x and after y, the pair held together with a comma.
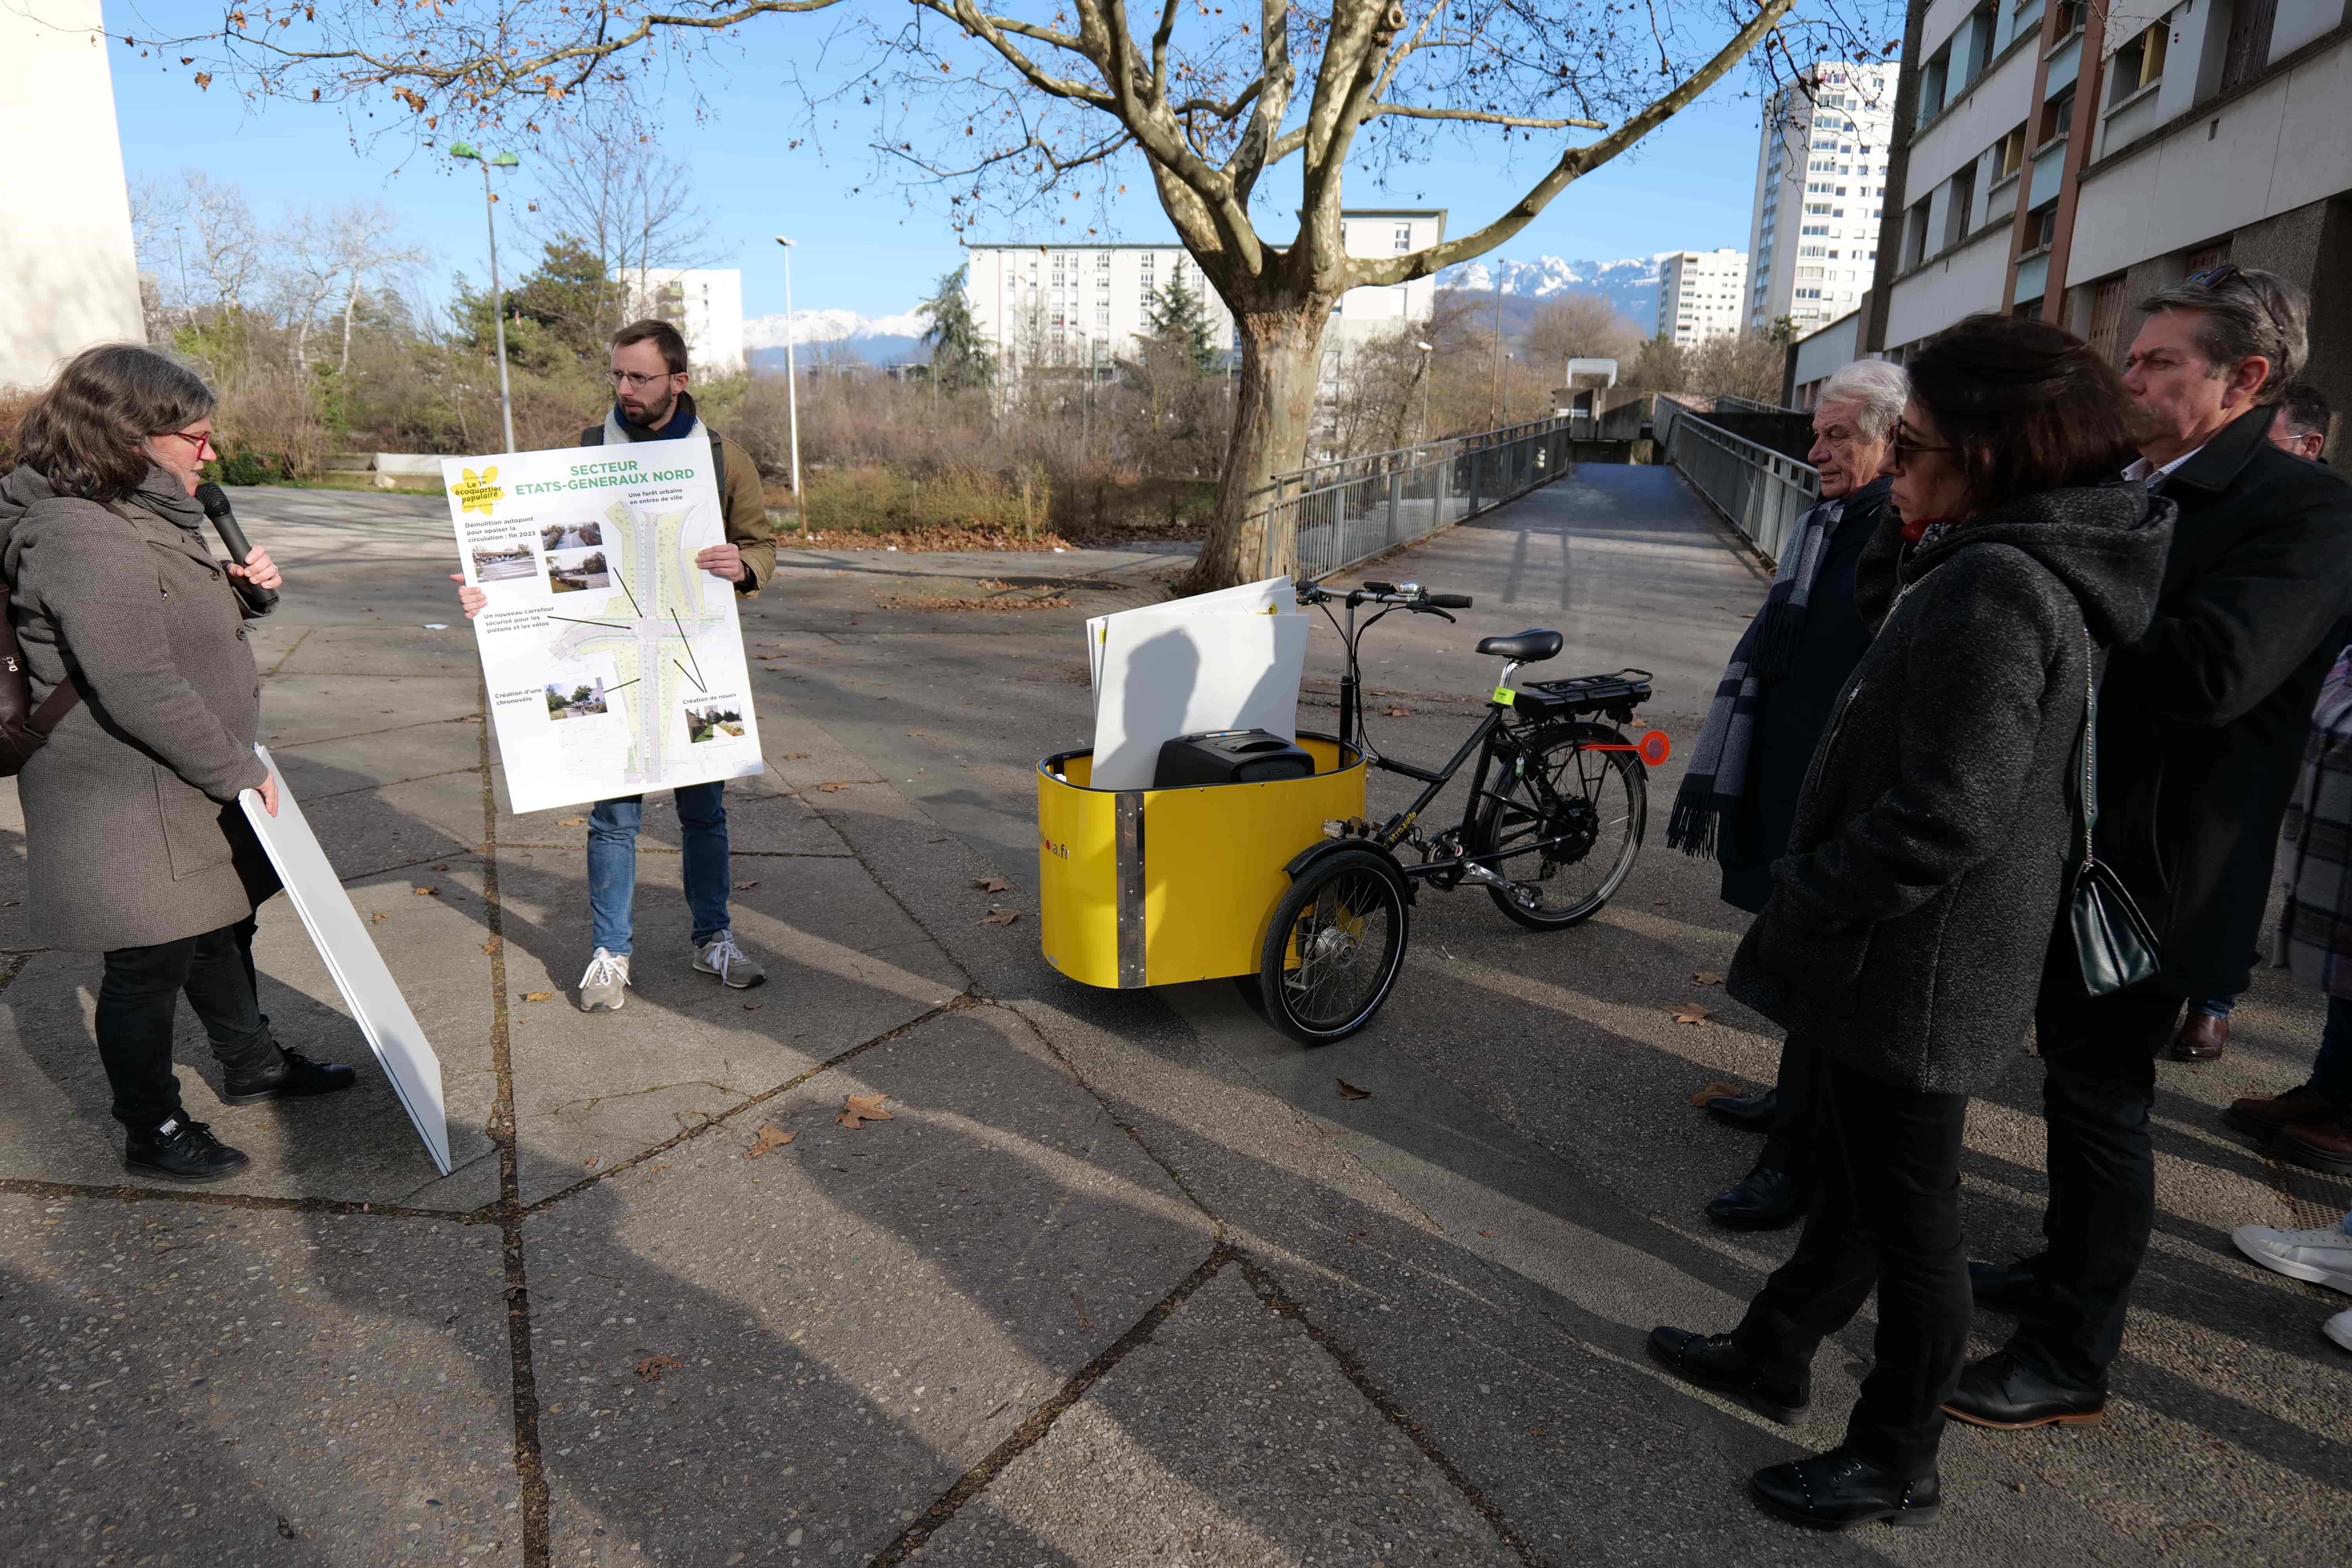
x: 1719, y: 772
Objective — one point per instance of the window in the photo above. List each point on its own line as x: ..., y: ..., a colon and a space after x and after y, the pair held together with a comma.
x: 2248, y: 48
x: 2106, y: 316
x: 2070, y: 17
x: 1915, y: 236
x: 1822, y: 229
x: 1404, y: 236
x: 1102, y: 262
x: 1818, y: 209
x: 2057, y: 116
x: 2007, y: 154
x: 1963, y: 201
x: 2140, y: 63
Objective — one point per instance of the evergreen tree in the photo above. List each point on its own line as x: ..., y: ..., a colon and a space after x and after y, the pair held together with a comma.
x: 959, y: 358
x: 1177, y: 317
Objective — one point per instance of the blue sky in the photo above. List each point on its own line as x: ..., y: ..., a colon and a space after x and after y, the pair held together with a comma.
x: 1688, y: 186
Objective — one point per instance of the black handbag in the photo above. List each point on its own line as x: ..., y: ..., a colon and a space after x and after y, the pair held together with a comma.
x: 2113, y: 940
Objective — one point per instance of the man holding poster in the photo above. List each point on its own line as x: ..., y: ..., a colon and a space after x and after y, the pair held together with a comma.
x: 607, y: 664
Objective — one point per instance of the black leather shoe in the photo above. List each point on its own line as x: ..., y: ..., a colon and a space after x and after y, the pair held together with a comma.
x: 182, y: 1150
x: 289, y: 1075
x: 2009, y: 1287
x: 1765, y: 1199
x: 1748, y: 1112
x: 2002, y: 1390
x: 1833, y: 1490
x: 1710, y: 1361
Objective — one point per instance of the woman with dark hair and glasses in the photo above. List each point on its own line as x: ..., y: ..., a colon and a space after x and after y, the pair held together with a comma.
x: 136, y: 845
x: 1907, y: 925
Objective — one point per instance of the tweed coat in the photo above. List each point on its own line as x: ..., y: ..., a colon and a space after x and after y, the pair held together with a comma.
x: 1907, y: 925
x: 132, y: 830
x: 2315, y: 846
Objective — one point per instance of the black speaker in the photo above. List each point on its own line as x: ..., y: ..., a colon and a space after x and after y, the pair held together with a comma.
x: 1229, y: 756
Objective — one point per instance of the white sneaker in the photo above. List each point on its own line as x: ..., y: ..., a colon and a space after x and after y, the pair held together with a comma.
x: 2321, y: 1256
x: 604, y: 988
x: 2339, y: 1329
x: 722, y: 957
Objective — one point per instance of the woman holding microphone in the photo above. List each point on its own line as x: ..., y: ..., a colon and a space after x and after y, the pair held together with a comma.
x: 136, y: 845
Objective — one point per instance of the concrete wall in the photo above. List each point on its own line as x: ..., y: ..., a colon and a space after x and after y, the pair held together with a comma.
x: 1967, y: 279
x: 67, y: 275
x: 2268, y: 151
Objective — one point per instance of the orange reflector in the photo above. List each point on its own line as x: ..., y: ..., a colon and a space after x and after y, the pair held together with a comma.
x: 1654, y: 748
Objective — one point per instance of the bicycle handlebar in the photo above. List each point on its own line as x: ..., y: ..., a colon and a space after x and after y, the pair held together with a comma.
x: 1407, y: 595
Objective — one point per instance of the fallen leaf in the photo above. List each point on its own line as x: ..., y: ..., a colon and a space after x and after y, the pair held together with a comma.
x: 771, y: 1137
x: 1396, y: 712
x: 594, y: 1161
x: 1718, y: 1089
x: 1000, y: 917
x: 423, y: 892
x: 440, y: 868
x: 1708, y: 977
x: 858, y: 1108
x: 1486, y: 1232
x: 914, y: 731
x: 741, y: 886
x: 751, y: 1006
x: 833, y: 788
x: 652, y: 1366
x: 1350, y: 1092
x: 795, y: 756
x: 571, y: 821
x: 537, y: 995
x: 990, y: 884
x: 378, y: 919
x: 1690, y: 1012
x: 285, y: 1530
x: 493, y: 945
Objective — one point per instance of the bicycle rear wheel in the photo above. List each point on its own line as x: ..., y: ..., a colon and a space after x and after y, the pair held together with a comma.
x: 1334, y: 947
x: 1567, y: 847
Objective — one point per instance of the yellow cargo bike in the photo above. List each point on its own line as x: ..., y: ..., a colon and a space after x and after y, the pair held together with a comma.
x: 1283, y: 885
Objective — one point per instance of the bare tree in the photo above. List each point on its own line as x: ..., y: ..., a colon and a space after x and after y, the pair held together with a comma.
x: 608, y: 183
x: 1744, y: 364
x: 1581, y: 326
x: 1011, y: 109
x: 309, y: 266
x: 368, y: 245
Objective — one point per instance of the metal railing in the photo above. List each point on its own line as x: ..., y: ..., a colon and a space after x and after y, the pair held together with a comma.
x: 1758, y: 491
x: 1732, y: 402
x: 1339, y: 513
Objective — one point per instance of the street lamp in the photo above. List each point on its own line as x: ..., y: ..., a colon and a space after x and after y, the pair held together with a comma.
x: 1426, y: 350
x: 498, y: 295
x: 793, y: 388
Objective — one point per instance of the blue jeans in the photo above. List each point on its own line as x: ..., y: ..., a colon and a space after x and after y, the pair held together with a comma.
x: 2214, y: 1006
x: 613, y: 863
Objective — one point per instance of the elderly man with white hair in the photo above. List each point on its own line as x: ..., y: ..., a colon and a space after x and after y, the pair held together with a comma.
x: 1739, y: 796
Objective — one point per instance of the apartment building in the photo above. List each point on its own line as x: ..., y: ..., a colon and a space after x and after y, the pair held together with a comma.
x: 1362, y: 314
x: 1820, y: 183
x: 1701, y: 294
x: 1074, y: 304
x: 706, y: 306
x: 2070, y: 158
x: 71, y: 278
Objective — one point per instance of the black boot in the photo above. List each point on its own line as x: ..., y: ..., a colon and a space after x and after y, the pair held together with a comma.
x: 1711, y: 1361
x: 1748, y: 1112
x: 1833, y: 1490
x: 181, y: 1150
x: 2012, y: 1288
x: 281, y: 1074
x: 1765, y: 1199
x: 2002, y: 1390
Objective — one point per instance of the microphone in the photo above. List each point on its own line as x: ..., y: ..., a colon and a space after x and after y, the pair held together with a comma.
x: 214, y: 500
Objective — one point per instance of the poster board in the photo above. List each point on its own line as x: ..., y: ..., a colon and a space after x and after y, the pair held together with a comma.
x: 614, y: 665
x: 343, y: 940
x: 1165, y: 671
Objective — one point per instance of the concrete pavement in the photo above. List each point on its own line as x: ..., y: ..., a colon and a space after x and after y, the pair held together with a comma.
x: 1123, y: 1279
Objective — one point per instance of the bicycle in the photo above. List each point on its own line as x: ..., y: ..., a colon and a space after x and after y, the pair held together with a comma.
x: 1552, y: 838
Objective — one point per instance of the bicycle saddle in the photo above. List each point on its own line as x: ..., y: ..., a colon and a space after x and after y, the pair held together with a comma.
x: 1526, y: 647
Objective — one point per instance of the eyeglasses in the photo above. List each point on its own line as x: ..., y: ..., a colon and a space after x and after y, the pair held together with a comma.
x: 629, y: 382
x: 201, y: 443
x: 2220, y: 277
x: 1907, y: 448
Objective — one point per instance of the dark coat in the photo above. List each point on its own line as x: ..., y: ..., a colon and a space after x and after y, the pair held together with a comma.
x: 1797, y: 707
x: 1907, y: 924
x: 2203, y: 721
x: 132, y: 831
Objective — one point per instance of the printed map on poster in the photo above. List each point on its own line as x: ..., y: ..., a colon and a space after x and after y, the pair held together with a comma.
x: 615, y: 666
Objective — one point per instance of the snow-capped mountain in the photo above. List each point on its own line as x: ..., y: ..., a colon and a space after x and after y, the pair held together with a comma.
x: 879, y: 340
x: 1631, y: 285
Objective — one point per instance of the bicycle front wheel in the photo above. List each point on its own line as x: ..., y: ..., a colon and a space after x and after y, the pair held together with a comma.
x: 1334, y: 947
x: 1565, y: 826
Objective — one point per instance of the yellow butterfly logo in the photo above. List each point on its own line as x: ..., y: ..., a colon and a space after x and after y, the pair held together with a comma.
x: 476, y: 493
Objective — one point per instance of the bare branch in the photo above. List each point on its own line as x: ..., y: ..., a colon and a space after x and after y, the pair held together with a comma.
x: 1517, y: 122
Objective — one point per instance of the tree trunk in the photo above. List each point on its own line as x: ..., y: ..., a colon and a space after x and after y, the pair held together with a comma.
x: 350, y: 308
x: 1273, y: 416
